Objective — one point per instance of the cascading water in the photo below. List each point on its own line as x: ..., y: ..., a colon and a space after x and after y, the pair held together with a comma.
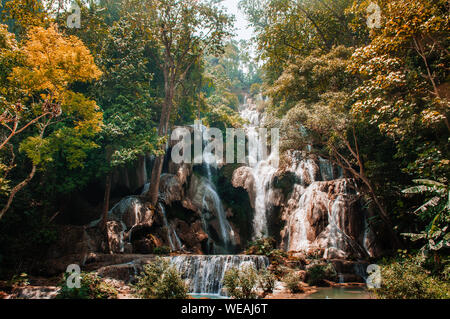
x: 211, y: 195
x: 319, y: 210
x: 297, y: 229
x: 225, y: 227
x: 166, y: 225
x: 170, y: 231
x: 262, y: 170
x: 205, y: 273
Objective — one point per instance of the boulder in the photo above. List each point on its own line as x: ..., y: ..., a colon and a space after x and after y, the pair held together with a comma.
x: 171, y: 189
x: 38, y: 292
x: 115, y: 232
x: 243, y: 177
x: 193, y: 236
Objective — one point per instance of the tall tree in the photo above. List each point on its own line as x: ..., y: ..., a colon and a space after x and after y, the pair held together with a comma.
x: 38, y: 96
x: 405, y: 83
x: 184, y: 31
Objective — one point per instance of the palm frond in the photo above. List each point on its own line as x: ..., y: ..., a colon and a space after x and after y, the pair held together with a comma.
x: 420, y: 189
x: 431, y: 203
x: 429, y: 182
x: 415, y: 237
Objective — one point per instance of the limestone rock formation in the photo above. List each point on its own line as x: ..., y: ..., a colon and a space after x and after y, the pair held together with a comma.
x: 243, y: 177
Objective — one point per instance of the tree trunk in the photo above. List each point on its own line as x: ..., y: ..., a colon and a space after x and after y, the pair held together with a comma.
x: 109, y: 152
x: 25, y: 182
x: 368, y: 185
x: 16, y: 189
x: 153, y: 191
x: 106, y: 201
x: 383, y: 214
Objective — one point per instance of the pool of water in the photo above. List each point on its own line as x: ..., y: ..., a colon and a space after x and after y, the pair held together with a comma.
x: 207, y: 296
x: 341, y: 293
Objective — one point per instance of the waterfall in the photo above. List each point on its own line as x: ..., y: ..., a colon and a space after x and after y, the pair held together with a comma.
x: 262, y: 174
x: 205, y: 273
x: 170, y: 231
x: 225, y: 227
x: 262, y: 170
x: 336, y: 240
x: 210, y: 193
x: 326, y: 169
x: 297, y: 228
x: 166, y: 225
x: 145, y: 189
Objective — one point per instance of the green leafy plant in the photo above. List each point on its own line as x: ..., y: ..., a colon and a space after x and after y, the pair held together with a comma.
x: 163, y: 250
x: 266, y: 247
x: 262, y: 246
x: 293, y: 282
x: 241, y: 283
x: 92, y: 287
x: 408, y: 279
x: 160, y: 280
x: 266, y: 281
x: 19, y: 280
x: 317, y: 273
x: 436, y: 211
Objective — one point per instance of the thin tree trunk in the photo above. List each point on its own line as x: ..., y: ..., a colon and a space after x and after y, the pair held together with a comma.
x: 362, y: 177
x: 154, y: 180
x: 153, y: 192
x: 106, y: 200
x: 104, y: 221
x: 108, y: 155
x: 25, y: 182
x: 16, y: 189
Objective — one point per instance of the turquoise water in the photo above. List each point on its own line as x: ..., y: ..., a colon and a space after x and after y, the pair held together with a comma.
x: 340, y: 293
x: 207, y: 296
x: 322, y: 293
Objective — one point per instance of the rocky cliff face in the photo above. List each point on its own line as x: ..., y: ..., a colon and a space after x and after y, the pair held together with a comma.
x: 319, y: 210
x: 307, y: 204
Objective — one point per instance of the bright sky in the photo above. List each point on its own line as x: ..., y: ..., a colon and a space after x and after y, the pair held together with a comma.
x: 243, y: 31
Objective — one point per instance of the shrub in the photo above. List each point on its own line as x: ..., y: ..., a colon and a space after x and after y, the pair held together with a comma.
x: 266, y: 247
x: 160, y: 280
x: 241, y: 283
x: 407, y: 279
x: 266, y: 281
x: 19, y: 280
x: 255, y: 89
x: 92, y: 287
x: 293, y: 283
x: 163, y: 250
x: 262, y: 246
x: 317, y: 273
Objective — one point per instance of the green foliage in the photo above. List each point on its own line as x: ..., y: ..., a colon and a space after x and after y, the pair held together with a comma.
x: 266, y: 281
x: 435, y: 211
x: 41, y: 115
x: 92, y: 287
x: 293, y: 282
x: 317, y: 272
x: 160, y: 280
x: 241, y: 283
x: 226, y: 82
x: 289, y: 29
x: 163, y: 250
x: 266, y: 247
x: 405, y: 74
x: 244, y: 282
x: 408, y: 279
x: 263, y: 246
x: 19, y: 280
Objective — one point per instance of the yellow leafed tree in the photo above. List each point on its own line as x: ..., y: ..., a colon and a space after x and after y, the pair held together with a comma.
x: 38, y: 97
